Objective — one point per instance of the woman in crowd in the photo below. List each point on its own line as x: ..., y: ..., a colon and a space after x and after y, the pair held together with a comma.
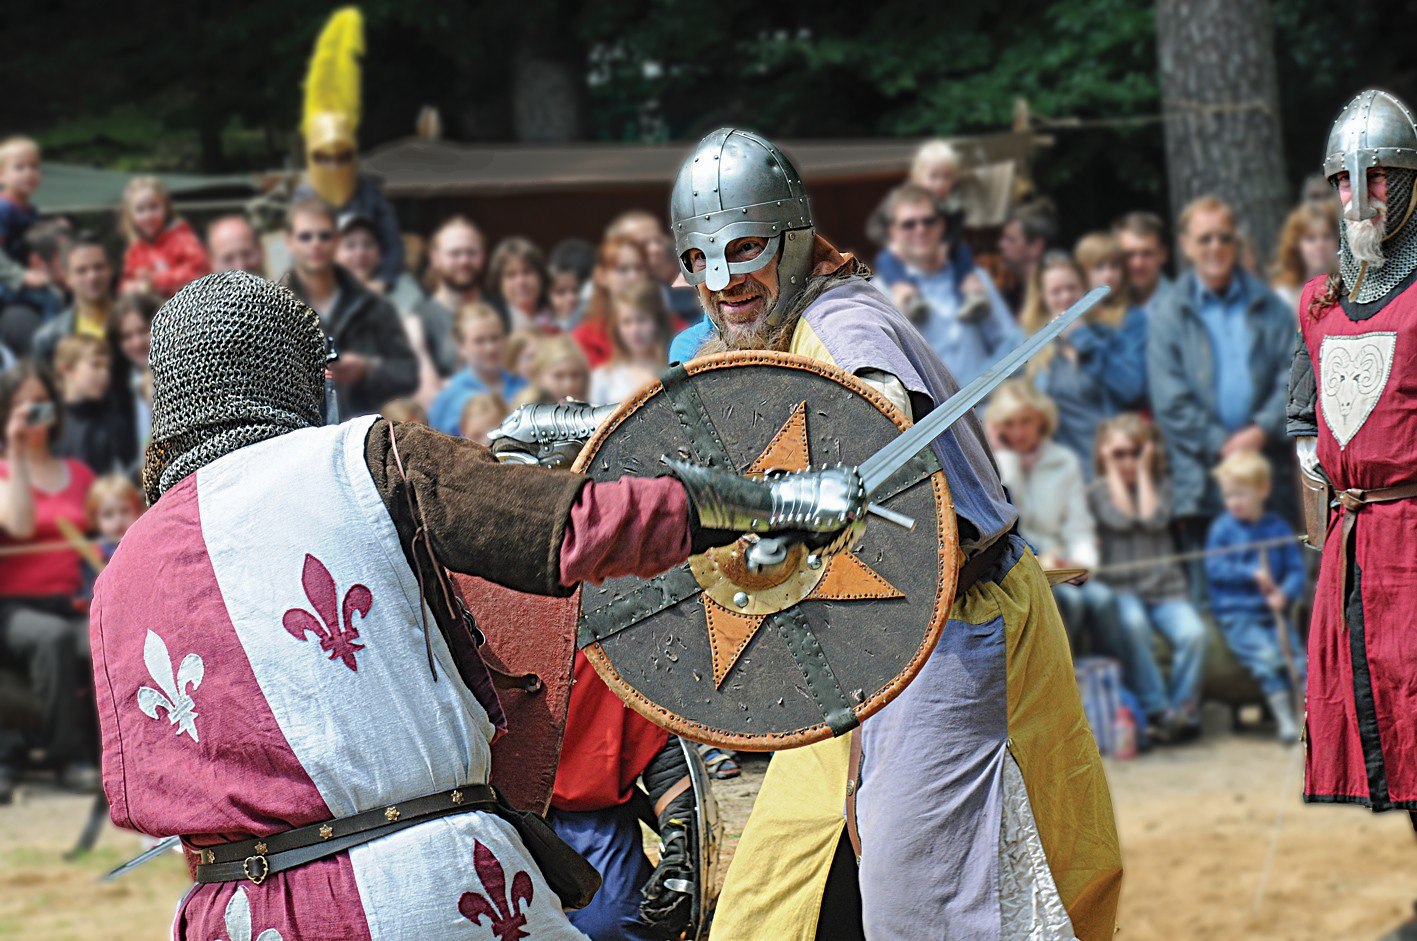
x: 640, y: 337
x: 1045, y: 481
x: 620, y: 263
x: 1073, y: 370
x: 1308, y: 247
x: 1122, y: 362
x: 39, y: 626
x: 130, y: 333
x: 163, y: 251
x: 517, y: 283
x: 559, y: 371
x: 1131, y: 502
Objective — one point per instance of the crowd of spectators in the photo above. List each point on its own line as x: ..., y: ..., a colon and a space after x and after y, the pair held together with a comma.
x: 1127, y: 440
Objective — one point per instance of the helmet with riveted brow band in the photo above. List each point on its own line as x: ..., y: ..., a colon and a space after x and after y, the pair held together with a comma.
x: 737, y: 184
x: 1375, y: 129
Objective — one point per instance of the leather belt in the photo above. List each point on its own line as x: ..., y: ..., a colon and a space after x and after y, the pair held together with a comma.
x: 257, y: 858
x: 1350, y: 502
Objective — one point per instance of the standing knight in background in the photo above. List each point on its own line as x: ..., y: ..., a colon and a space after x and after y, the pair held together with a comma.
x: 982, y: 808
x: 330, y: 128
x: 1353, y: 407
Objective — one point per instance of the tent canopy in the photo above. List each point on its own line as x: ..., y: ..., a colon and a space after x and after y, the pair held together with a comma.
x: 72, y: 188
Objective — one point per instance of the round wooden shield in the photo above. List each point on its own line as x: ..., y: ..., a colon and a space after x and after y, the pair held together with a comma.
x: 794, y: 653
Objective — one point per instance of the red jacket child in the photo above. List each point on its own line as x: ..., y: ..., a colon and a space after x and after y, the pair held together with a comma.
x: 170, y: 260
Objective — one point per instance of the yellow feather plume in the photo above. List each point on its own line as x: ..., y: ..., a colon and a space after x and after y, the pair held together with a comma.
x: 333, y: 84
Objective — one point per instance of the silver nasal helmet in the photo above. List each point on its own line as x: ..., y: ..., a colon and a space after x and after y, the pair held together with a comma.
x: 1375, y: 129
x: 737, y: 184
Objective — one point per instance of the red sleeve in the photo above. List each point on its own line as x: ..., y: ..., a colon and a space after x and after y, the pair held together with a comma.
x: 134, y: 260
x: 632, y: 526
x: 187, y: 262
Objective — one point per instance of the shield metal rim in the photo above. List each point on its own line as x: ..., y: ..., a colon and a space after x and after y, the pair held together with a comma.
x: 946, y: 582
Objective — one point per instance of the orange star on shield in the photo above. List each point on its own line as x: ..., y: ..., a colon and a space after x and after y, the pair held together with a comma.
x: 737, y: 601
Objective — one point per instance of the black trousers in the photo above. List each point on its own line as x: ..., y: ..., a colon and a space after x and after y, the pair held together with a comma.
x: 841, y: 903
x: 50, y: 642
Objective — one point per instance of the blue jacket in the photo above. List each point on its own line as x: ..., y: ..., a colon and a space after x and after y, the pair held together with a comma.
x: 1231, y: 576
x: 446, y: 412
x: 1180, y: 374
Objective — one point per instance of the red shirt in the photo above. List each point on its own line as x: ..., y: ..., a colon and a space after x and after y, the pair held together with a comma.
x: 174, y: 258
x: 44, y: 574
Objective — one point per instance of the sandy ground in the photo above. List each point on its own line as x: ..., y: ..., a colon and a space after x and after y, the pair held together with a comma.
x: 1196, y: 823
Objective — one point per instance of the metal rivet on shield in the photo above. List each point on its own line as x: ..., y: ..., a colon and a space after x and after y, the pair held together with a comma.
x: 814, y: 561
x: 741, y: 599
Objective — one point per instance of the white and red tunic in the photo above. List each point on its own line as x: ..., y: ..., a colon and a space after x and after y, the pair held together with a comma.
x: 260, y: 665
x: 1362, y: 693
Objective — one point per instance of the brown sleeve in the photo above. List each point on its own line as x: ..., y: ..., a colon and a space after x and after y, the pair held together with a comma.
x: 502, y: 522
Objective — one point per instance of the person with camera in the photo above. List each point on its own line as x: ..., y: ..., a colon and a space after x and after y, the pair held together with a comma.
x: 40, y: 578
x: 953, y: 303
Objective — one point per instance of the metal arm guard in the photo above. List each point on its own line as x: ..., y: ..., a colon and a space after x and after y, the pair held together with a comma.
x: 827, y: 500
x: 550, y: 435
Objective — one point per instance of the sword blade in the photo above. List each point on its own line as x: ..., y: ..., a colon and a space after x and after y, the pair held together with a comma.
x: 144, y: 857
x: 878, y: 468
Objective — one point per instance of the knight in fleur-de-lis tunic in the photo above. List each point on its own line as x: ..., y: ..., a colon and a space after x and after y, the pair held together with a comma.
x: 263, y: 655
x: 1353, y: 407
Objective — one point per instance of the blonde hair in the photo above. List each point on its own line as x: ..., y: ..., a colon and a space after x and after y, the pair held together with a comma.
x: 111, y: 485
x: 405, y: 410
x: 484, y: 403
x: 12, y: 147
x: 76, y: 347
x: 1035, y: 315
x: 646, y: 297
x: 1021, y: 395
x: 137, y: 185
x: 1094, y: 249
x: 1207, y: 203
x: 517, y: 342
x: 552, y: 350
x: 1288, y: 266
x: 929, y: 154
x: 469, y: 314
x: 1136, y: 429
x: 1247, y: 468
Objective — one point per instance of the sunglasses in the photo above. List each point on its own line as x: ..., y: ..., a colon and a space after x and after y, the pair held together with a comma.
x: 926, y: 222
x: 1127, y: 454
x: 1224, y: 238
x: 323, y: 235
x: 333, y: 160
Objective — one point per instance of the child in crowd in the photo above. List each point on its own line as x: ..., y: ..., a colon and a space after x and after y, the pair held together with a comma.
x: 113, y: 505
x: 403, y: 410
x: 640, y: 335
x: 1251, y: 588
x: 1131, y: 502
x: 559, y: 371
x: 482, y: 413
x: 482, y: 343
x: 1107, y: 339
x: 521, y: 351
x: 19, y: 177
x: 163, y: 251
x: 92, y: 432
x: 358, y: 249
x: 569, y: 267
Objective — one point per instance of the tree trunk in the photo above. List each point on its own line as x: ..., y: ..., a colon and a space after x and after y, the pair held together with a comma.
x: 1220, y: 92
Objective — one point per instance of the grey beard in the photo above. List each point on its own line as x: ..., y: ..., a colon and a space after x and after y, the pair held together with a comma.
x: 778, y: 336
x: 1365, y: 241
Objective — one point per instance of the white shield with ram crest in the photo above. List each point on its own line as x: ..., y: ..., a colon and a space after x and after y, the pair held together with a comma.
x: 1353, y: 371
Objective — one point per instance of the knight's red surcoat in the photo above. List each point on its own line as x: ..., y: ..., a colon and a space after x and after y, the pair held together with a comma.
x: 1362, y: 689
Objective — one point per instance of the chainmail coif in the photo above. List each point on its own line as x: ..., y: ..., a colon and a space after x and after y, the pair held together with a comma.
x: 235, y: 359
x: 1399, y: 246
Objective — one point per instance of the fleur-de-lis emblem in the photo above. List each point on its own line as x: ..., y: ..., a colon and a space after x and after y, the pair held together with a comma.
x: 503, y: 911
x: 335, y: 624
x: 173, y: 695
x: 238, y: 920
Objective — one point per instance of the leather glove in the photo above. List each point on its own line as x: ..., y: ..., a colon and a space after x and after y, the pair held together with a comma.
x: 667, y: 899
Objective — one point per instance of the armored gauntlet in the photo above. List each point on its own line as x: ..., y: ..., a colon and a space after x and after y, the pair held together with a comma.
x: 549, y: 435
x: 823, y: 501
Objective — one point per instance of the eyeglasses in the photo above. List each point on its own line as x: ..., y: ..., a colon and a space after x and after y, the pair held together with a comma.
x: 309, y: 235
x: 910, y: 225
x: 1224, y: 238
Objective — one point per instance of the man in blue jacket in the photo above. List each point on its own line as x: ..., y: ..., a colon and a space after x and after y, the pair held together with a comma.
x: 1217, y: 359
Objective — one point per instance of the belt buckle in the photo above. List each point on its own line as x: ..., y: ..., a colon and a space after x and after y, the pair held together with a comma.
x: 265, y: 867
